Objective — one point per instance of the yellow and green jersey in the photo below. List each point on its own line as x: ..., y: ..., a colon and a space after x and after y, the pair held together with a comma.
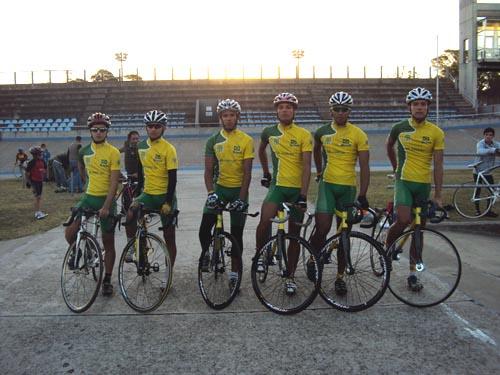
x: 229, y: 149
x: 99, y: 160
x: 416, y: 144
x: 288, y: 143
x: 157, y: 158
x: 341, y: 145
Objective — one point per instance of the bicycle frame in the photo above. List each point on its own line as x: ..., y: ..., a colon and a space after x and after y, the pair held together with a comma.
x: 94, y: 229
x: 483, y: 183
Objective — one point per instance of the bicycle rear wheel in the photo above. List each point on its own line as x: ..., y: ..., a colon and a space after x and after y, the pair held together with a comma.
x: 216, y: 288
x: 81, y: 274
x: 441, y: 273
x: 271, y: 290
x: 145, y: 290
x: 470, y: 203
x: 370, y: 277
x: 379, y: 234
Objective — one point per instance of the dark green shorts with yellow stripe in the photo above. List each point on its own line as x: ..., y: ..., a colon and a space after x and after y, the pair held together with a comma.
x: 228, y: 194
x: 409, y: 193
x: 332, y: 197
x: 154, y: 202
x: 95, y: 203
x: 284, y: 194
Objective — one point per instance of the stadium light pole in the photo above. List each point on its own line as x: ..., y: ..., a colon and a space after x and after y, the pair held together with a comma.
x: 121, y: 57
x: 298, y: 54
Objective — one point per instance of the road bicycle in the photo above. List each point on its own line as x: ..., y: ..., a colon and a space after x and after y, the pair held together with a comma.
x: 223, y: 257
x: 145, y: 277
x: 474, y: 199
x: 82, y: 268
x: 126, y: 194
x: 425, y: 264
x: 279, y: 280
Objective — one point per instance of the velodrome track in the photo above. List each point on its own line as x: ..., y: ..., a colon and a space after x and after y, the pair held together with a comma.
x: 190, y: 143
x: 40, y: 335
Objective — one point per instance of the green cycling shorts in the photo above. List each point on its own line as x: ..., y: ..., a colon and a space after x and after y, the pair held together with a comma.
x: 95, y: 203
x: 409, y: 193
x: 229, y: 194
x: 154, y: 202
x: 333, y: 197
x: 282, y: 194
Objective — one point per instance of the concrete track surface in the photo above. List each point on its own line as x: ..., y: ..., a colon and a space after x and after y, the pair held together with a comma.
x: 41, y: 336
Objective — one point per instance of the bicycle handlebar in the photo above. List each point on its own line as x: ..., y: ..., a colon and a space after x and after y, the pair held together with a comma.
x: 88, y: 212
x: 286, y: 208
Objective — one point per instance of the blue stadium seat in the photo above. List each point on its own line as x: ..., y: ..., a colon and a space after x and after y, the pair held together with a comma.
x: 44, y: 129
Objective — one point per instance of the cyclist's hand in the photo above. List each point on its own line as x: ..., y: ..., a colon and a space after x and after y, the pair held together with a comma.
x: 166, y: 209
x: 212, y: 200
x: 318, y: 176
x: 363, y: 202
x: 104, y: 212
x: 301, y: 202
x: 238, y: 206
x: 266, y: 180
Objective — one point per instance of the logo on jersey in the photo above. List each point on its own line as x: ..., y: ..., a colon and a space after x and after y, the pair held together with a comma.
x: 426, y: 140
x: 157, y: 158
x: 345, y: 142
x: 236, y: 149
x: 294, y: 143
x: 103, y: 163
x: 275, y: 140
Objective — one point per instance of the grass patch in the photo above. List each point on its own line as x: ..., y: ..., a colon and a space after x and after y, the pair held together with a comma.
x: 379, y: 194
x: 17, y: 214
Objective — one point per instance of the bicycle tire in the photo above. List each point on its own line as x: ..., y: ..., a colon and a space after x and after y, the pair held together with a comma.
x: 214, y: 285
x: 80, y: 286
x: 379, y: 234
x: 145, y: 293
x: 440, y: 278
x: 364, y: 287
x: 271, y: 290
x: 463, y: 200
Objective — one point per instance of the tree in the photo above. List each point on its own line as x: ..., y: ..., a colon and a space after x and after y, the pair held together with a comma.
x: 133, y: 77
x: 103, y: 75
x: 447, y: 61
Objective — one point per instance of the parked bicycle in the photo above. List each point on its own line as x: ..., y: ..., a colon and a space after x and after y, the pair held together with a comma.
x: 145, y: 277
x: 430, y: 255
x: 82, y: 268
x: 474, y: 199
x: 278, y: 279
x: 217, y: 288
x: 126, y: 194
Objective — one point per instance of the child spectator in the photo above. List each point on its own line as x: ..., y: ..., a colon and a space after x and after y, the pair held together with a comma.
x: 35, y: 172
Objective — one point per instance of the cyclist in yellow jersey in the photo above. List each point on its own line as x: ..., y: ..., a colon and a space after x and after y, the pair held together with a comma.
x: 291, y: 148
x: 229, y: 156
x: 418, y: 143
x: 158, y: 175
x: 341, y: 144
x: 99, y: 164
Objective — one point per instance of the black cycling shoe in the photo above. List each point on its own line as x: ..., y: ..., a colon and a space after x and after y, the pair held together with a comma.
x: 414, y: 284
x: 107, y: 289
x: 311, y: 270
x: 205, y: 262
x: 340, y: 287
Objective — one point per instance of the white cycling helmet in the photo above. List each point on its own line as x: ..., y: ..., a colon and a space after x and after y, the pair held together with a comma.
x: 418, y: 93
x: 340, y: 98
x: 155, y: 117
x: 286, y: 97
x: 98, y: 118
x: 228, y: 105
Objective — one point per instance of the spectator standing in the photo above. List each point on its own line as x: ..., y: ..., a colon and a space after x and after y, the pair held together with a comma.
x: 60, y: 165
x: 76, y: 180
x: 45, y: 157
x: 21, y: 158
x: 35, y: 173
x: 129, y: 150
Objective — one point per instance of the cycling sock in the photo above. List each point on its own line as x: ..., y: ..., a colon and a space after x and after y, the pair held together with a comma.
x: 107, y: 278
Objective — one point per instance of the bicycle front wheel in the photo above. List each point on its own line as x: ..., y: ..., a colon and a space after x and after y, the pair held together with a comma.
x: 441, y: 272
x: 472, y: 202
x: 81, y: 274
x: 286, y: 288
x: 365, y: 283
x: 220, y: 283
x: 145, y: 287
x: 379, y: 234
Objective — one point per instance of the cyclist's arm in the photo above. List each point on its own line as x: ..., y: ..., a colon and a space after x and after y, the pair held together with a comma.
x: 172, y: 183
x: 81, y: 169
x: 364, y: 172
x: 140, y: 175
x: 306, y: 172
x: 481, y: 149
x: 247, y: 177
x: 263, y: 156
x: 113, y: 186
x: 391, y: 154
x: 438, y: 176
x: 318, y: 156
x: 209, y: 173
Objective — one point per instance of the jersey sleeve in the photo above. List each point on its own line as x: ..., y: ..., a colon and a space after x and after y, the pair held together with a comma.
x: 264, y: 137
x: 80, y: 154
x: 115, y: 160
x: 307, y: 144
x: 209, y: 147
x: 363, y: 141
x: 439, y: 142
x: 248, y: 152
x: 394, y: 134
x: 172, y: 162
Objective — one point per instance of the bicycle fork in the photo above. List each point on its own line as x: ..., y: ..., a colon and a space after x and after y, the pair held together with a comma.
x: 417, y: 243
x: 345, y: 244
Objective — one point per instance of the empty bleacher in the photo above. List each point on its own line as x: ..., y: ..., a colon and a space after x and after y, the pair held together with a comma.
x: 37, y: 125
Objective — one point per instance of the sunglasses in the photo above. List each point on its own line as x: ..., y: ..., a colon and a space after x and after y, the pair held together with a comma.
x: 154, y: 126
x: 340, y: 109
x: 98, y: 130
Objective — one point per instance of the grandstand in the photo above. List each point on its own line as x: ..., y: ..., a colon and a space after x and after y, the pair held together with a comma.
x: 53, y: 108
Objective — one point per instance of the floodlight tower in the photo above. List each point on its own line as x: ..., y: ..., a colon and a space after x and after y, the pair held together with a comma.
x: 298, y: 54
x: 121, y: 57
